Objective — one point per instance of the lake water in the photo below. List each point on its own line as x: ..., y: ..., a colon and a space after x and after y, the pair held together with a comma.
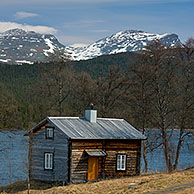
x: 14, y: 155
x: 156, y: 161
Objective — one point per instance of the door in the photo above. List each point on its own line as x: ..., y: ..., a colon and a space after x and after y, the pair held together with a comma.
x: 92, y: 168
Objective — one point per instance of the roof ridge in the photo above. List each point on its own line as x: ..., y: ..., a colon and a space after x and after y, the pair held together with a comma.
x: 84, y: 118
x: 63, y: 117
x: 111, y: 119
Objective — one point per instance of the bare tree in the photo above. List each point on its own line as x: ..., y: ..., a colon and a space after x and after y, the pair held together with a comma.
x: 140, y: 97
x: 83, y: 93
x: 173, y: 87
x: 185, y: 99
x: 55, y: 85
x: 162, y: 66
x: 110, y: 90
x: 29, y: 164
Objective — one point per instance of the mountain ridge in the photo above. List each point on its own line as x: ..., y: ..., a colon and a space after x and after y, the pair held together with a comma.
x: 18, y: 46
x: 123, y: 41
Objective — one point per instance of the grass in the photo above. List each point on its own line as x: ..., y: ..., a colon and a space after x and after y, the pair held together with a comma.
x: 20, y: 186
x: 143, y: 184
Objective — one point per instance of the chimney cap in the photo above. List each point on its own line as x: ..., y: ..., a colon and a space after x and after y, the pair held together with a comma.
x: 91, y: 106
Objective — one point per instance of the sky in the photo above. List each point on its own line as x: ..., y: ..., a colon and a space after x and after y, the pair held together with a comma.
x: 82, y: 22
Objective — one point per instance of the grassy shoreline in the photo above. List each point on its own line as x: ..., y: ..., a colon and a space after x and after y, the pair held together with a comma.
x: 142, y: 184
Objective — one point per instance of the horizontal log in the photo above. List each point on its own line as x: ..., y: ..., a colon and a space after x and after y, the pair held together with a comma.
x: 80, y: 172
x: 87, y: 142
x: 86, y: 147
x: 79, y: 167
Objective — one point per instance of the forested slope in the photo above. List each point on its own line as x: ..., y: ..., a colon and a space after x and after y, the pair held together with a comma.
x: 21, y: 100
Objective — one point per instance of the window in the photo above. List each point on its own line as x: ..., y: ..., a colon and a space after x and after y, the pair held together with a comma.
x: 48, y: 161
x: 49, y: 131
x: 121, y: 162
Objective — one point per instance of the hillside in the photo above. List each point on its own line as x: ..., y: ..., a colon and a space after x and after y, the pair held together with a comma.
x: 27, y: 74
x: 177, y: 182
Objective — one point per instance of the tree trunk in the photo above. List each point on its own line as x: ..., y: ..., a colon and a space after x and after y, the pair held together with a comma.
x: 178, y: 149
x: 145, y: 156
x: 29, y: 158
x: 167, y: 151
x: 60, y: 96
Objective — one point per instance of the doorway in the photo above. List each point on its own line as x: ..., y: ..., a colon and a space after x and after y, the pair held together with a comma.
x: 92, y: 168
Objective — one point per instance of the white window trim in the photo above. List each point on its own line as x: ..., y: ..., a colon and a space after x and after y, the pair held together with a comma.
x: 49, y: 132
x: 121, y: 162
x: 48, y: 161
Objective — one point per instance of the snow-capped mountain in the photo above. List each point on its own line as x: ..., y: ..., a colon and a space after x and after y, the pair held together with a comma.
x: 129, y: 40
x: 18, y: 46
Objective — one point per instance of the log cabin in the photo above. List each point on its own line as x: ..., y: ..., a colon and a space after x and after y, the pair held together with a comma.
x: 75, y: 150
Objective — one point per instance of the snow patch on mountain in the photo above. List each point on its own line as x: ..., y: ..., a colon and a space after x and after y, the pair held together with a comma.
x: 23, y: 61
x: 5, y: 60
x: 51, y: 47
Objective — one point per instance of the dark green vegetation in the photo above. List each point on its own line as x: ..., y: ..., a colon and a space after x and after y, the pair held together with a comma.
x: 26, y: 98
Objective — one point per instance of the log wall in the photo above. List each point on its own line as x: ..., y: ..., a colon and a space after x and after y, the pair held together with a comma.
x: 79, y: 159
x: 106, y: 165
x: 132, y: 149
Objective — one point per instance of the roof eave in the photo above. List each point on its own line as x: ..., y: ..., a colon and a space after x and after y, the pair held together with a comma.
x: 36, y: 127
x: 82, y: 138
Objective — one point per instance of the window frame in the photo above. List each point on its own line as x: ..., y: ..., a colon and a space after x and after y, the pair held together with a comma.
x: 46, y: 132
x: 51, y: 154
x: 119, y: 168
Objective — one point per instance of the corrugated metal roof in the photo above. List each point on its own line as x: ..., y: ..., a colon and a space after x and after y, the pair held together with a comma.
x: 80, y: 128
